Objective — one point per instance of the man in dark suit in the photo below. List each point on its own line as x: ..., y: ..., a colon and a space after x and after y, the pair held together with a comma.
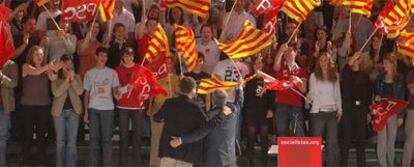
x: 219, y: 139
x: 181, y: 115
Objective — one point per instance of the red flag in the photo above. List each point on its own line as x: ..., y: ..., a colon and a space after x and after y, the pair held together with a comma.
x: 273, y: 83
x: 5, y: 13
x: 261, y: 6
x: 79, y: 11
x: 385, y: 109
x: 146, y: 84
x: 380, y: 19
x: 6, y: 40
x: 159, y: 67
x: 269, y: 21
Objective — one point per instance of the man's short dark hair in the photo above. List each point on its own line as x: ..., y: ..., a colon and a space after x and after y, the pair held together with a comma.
x: 219, y: 97
x: 187, y: 85
x: 101, y: 50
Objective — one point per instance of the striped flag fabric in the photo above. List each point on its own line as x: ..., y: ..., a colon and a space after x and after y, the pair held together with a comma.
x: 299, y: 9
x: 197, y: 7
x: 405, y: 44
x: 211, y: 84
x: 362, y: 7
x: 249, y: 42
x: 106, y: 9
x: 397, y: 18
x: 158, y: 45
x: 379, y: 23
x: 41, y: 2
x: 186, y: 46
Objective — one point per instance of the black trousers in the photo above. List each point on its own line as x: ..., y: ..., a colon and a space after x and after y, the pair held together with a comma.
x: 137, y: 120
x: 36, y: 119
x: 352, y: 128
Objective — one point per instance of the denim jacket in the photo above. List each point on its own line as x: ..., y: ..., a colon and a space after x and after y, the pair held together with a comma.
x: 399, y: 88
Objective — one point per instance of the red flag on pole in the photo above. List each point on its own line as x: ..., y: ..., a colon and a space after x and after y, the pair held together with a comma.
x: 6, y: 40
x: 79, y: 11
x: 384, y: 109
x: 145, y: 84
x: 261, y: 6
x: 273, y: 83
x: 269, y: 21
x: 159, y: 67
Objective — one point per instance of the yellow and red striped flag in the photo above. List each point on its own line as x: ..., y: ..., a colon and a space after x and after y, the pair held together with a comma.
x: 158, y: 45
x: 41, y: 2
x: 405, y: 44
x: 106, y: 9
x: 186, y: 46
x: 197, y: 7
x: 397, y: 18
x: 249, y: 42
x: 362, y: 7
x: 299, y: 9
x: 209, y: 85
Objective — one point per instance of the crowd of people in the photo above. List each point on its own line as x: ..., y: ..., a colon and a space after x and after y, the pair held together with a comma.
x: 78, y: 75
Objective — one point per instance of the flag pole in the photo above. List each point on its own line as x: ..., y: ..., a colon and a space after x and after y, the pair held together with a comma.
x: 228, y: 18
x: 143, y: 9
x: 237, y: 68
x: 294, y: 33
x: 369, y: 38
x: 51, y: 17
x: 181, y: 66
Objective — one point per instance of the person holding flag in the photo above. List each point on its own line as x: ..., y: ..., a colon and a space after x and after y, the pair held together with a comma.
x: 356, y: 94
x: 389, y: 84
x: 130, y: 108
x: 45, y: 19
x: 289, y: 103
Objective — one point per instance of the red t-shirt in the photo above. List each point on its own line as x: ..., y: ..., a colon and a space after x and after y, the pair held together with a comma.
x: 289, y: 97
x: 133, y: 102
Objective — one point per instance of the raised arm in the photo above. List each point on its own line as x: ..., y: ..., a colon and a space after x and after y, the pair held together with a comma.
x: 277, y: 64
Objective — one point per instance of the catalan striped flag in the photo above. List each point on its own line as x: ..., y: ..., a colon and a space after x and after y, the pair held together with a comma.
x: 249, y: 42
x: 197, y: 7
x: 299, y: 9
x: 158, y: 45
x: 405, y: 44
x: 362, y: 7
x: 186, y: 46
x: 106, y: 9
x: 379, y: 23
x: 209, y: 85
x: 397, y: 18
x: 41, y: 2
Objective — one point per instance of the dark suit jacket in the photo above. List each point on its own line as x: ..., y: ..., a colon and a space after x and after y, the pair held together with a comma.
x: 181, y: 115
x: 219, y: 147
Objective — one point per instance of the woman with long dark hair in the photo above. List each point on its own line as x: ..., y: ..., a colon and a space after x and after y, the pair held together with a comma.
x: 325, y: 97
x: 66, y: 110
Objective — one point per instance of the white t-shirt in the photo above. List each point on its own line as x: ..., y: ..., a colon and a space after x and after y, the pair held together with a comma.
x: 126, y: 18
x: 226, y: 71
x: 235, y: 25
x: 211, y: 53
x: 41, y: 23
x: 99, y: 84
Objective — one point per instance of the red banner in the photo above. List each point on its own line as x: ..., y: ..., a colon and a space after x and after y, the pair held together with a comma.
x: 6, y: 40
x: 79, y: 11
x: 146, y: 84
x: 299, y: 151
x: 158, y: 67
x: 269, y: 21
x: 383, y: 110
x: 261, y: 6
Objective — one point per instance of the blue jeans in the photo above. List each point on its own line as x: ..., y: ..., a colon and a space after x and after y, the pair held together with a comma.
x: 66, y: 127
x: 4, y: 135
x: 101, y: 127
x: 289, y: 116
